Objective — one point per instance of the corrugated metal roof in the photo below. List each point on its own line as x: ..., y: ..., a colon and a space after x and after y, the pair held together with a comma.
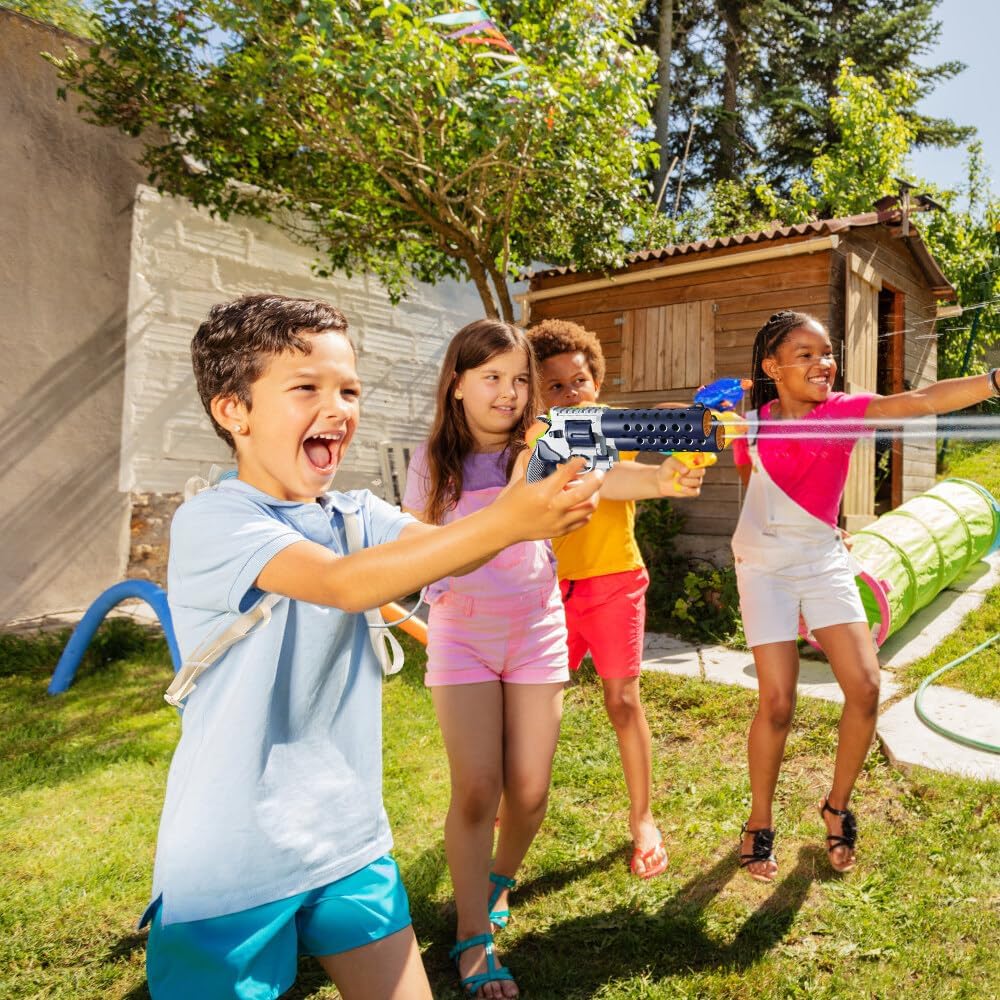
x: 820, y: 227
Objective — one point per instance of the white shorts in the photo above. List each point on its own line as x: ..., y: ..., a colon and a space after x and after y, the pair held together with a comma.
x: 823, y: 592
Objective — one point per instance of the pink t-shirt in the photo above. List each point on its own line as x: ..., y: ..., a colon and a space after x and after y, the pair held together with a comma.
x: 812, y: 471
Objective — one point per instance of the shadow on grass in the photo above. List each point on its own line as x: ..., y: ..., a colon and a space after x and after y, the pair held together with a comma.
x: 579, y: 956
x: 575, y: 958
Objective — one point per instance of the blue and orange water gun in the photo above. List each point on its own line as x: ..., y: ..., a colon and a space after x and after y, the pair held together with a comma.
x: 721, y: 397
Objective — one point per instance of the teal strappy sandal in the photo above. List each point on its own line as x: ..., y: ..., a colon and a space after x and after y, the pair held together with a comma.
x: 499, y: 918
x: 494, y: 973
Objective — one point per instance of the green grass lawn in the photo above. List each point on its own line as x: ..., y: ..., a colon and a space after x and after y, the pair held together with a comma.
x: 81, y: 784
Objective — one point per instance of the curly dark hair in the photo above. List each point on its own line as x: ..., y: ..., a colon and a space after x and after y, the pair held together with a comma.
x: 562, y: 336
x: 233, y: 346
x: 769, y: 338
x: 450, y: 439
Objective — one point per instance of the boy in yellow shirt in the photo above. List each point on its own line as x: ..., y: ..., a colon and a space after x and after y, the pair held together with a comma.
x: 604, y: 581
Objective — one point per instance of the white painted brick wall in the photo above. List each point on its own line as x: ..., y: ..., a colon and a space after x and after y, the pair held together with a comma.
x: 183, y: 262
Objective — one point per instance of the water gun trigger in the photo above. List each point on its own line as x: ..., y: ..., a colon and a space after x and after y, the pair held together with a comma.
x: 696, y: 459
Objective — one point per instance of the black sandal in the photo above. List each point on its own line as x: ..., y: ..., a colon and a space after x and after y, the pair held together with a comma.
x: 848, y: 838
x: 763, y: 850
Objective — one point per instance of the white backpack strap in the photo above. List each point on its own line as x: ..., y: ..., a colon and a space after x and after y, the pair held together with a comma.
x: 387, y: 648
x: 208, y: 652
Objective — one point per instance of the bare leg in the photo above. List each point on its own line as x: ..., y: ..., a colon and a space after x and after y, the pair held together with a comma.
x: 624, y: 708
x: 777, y: 666
x: 852, y: 658
x: 471, y: 719
x: 532, y: 713
x: 387, y: 969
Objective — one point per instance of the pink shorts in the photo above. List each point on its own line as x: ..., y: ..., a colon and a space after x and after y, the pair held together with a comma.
x: 517, y: 639
x: 607, y: 616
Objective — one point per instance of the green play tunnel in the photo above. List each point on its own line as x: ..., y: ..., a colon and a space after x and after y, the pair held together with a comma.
x: 909, y: 555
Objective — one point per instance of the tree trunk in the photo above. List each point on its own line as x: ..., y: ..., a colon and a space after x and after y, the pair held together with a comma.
x: 661, y: 110
x: 729, y: 11
x: 501, y: 291
x: 482, y: 282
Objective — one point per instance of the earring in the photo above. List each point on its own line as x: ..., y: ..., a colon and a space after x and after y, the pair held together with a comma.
x: 236, y: 428
x: 458, y: 395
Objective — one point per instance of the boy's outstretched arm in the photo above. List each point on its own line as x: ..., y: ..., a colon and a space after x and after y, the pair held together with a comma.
x: 307, y: 571
x: 939, y: 397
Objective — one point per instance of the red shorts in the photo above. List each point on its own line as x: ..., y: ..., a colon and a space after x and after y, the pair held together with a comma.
x: 607, y: 616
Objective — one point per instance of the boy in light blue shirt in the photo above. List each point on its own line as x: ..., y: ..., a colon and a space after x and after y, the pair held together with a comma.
x: 273, y: 840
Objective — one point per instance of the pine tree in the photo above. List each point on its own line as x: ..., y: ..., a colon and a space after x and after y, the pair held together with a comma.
x: 801, y: 46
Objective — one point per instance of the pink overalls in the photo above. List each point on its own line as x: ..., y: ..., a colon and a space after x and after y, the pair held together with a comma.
x: 503, y: 621
x: 788, y: 562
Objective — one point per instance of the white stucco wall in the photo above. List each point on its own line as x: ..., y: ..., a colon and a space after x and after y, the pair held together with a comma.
x: 183, y: 262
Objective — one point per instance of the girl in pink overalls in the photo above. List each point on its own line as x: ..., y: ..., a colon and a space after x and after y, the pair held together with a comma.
x: 791, y: 561
x: 496, y: 650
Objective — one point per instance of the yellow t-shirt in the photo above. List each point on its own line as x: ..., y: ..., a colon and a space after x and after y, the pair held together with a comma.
x: 605, y: 544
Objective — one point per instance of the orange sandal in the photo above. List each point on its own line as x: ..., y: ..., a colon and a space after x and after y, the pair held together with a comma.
x: 654, y: 861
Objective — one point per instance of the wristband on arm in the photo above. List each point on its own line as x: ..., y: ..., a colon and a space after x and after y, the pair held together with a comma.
x: 994, y: 377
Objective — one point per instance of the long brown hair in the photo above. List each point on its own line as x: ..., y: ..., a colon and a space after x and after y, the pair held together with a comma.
x: 769, y: 338
x: 451, y: 440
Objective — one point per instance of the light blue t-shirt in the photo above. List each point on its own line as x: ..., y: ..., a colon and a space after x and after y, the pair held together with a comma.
x: 275, y: 787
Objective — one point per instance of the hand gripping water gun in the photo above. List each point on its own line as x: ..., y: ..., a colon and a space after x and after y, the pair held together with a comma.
x: 691, y: 433
x: 722, y: 397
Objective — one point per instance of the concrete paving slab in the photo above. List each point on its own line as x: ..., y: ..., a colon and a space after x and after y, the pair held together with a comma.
x: 929, y: 626
x: 982, y: 577
x: 817, y: 681
x: 909, y: 742
x: 729, y: 666
x: 667, y: 654
x: 139, y: 611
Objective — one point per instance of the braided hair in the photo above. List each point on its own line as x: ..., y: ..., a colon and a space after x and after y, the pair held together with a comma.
x: 769, y: 338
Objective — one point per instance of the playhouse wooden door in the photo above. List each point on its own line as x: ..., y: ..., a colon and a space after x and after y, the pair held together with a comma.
x: 669, y: 348
x: 860, y: 375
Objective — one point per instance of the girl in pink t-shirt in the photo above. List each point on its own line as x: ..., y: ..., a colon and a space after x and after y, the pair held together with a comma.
x: 791, y: 560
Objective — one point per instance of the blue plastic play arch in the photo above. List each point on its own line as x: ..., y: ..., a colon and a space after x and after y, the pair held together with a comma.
x: 145, y: 590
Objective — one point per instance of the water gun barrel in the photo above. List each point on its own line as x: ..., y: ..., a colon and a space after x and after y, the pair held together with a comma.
x: 689, y: 428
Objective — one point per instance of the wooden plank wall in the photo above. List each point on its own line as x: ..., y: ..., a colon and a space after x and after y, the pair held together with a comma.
x: 860, y: 374
x: 897, y: 268
x: 723, y: 310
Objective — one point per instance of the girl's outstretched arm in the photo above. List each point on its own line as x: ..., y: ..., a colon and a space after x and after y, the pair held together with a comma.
x: 307, y: 571
x: 940, y: 397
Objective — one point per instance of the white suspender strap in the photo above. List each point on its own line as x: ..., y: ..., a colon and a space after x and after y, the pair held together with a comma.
x: 387, y: 648
x: 208, y: 652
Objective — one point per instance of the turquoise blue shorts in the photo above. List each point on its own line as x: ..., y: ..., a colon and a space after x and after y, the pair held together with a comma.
x: 253, y: 954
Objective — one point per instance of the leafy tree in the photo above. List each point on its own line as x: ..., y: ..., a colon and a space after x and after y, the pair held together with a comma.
x: 367, y: 133
x: 70, y: 15
x: 965, y: 240
x: 848, y: 175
